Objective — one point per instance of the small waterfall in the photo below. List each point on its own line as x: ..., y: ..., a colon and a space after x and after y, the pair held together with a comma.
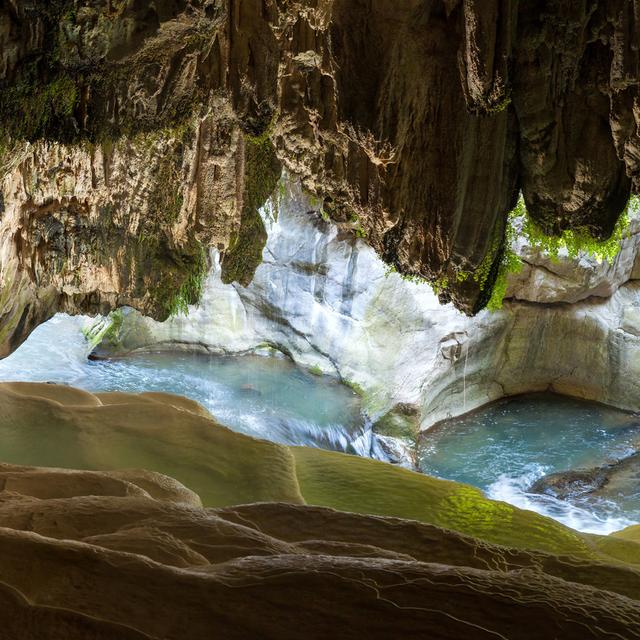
x: 514, y: 490
x: 464, y: 376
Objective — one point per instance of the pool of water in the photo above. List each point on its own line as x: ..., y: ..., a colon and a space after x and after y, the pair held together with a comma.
x: 505, y: 447
x: 264, y: 397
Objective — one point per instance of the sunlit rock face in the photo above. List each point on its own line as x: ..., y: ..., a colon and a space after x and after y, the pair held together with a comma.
x: 88, y: 229
x: 416, y: 125
x: 326, y: 299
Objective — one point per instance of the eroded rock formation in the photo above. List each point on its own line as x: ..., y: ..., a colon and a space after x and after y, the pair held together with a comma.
x: 416, y: 124
x: 133, y: 555
x: 122, y: 159
x: 326, y: 300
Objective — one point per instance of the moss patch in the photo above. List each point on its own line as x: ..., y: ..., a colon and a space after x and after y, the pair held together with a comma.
x: 182, y: 281
x: 58, y: 94
x: 223, y: 466
x: 574, y: 242
x: 402, y: 421
x: 262, y: 172
x: 105, y: 330
x: 354, y: 386
x: 577, y: 241
x: 359, y: 485
x: 174, y: 437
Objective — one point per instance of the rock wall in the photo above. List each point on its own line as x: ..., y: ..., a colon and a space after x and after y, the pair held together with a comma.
x: 416, y: 124
x: 122, y: 158
x: 325, y: 299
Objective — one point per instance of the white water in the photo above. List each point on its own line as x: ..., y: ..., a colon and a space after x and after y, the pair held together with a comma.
x: 264, y: 397
x: 607, y: 518
x: 504, y: 448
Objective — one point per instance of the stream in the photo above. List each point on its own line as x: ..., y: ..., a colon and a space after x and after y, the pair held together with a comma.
x: 502, y: 448
x: 265, y: 397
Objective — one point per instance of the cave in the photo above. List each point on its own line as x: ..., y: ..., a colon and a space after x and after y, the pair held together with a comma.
x: 319, y: 319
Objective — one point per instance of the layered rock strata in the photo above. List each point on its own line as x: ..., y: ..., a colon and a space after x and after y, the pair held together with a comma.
x: 133, y: 554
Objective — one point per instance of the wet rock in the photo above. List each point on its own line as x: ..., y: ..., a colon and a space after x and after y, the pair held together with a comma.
x: 357, y: 320
x: 133, y: 555
x: 402, y: 421
x: 572, y: 484
x: 134, y: 136
x: 618, y: 478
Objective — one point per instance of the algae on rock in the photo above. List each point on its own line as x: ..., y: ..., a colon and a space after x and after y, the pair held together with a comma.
x: 262, y: 171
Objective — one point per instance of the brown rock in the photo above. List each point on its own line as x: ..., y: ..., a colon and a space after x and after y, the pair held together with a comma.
x: 155, y: 570
x: 97, y: 555
x: 416, y: 125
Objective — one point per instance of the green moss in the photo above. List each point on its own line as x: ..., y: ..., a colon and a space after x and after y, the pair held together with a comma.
x: 617, y: 546
x: 574, y: 242
x: 105, y: 330
x: 262, y: 173
x: 354, y: 386
x: 316, y: 371
x: 577, y: 241
x: 510, y: 263
x: 360, y: 485
x: 166, y: 199
x: 113, y: 332
x: 440, y: 284
x: 57, y: 95
x: 314, y: 201
x: 399, y: 423
x: 358, y: 229
x: 190, y: 291
x: 227, y: 468
x: 502, y: 105
x: 43, y: 107
x: 409, y: 277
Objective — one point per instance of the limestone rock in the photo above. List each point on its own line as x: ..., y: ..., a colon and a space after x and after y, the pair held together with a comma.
x: 105, y: 555
x: 566, y: 485
x: 548, y: 280
x: 331, y: 304
x: 133, y: 136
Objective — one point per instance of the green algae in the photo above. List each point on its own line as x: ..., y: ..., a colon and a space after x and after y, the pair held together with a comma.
x: 161, y: 433
x: 366, y: 486
x: 574, y: 242
x: 262, y: 172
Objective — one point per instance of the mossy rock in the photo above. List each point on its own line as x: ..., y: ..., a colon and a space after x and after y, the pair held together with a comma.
x: 261, y: 176
x: 403, y: 421
x: 360, y: 485
x: 169, y: 435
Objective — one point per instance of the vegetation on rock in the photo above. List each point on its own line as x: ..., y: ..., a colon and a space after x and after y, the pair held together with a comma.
x: 572, y: 243
x: 262, y: 172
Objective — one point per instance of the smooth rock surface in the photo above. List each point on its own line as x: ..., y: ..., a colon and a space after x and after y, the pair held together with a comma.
x: 226, y: 468
x: 103, y: 555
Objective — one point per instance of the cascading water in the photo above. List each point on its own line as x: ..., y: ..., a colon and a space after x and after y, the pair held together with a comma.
x: 265, y: 397
x: 502, y: 449
x: 591, y: 516
x: 506, y: 447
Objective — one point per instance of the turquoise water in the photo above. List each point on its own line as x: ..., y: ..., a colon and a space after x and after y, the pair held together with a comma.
x: 501, y: 449
x: 264, y: 397
x: 505, y: 447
